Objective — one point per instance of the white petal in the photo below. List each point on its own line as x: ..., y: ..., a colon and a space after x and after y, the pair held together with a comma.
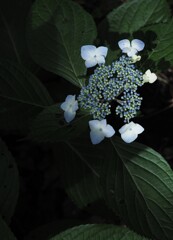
x: 94, y: 125
x: 129, y: 136
x: 137, y: 44
x: 103, y: 123
x: 138, y: 128
x: 125, y: 43
x: 153, y: 78
x: 102, y: 51
x: 109, y: 131
x: 69, y: 116
x: 96, y: 137
x: 91, y: 62
x: 131, y: 52
x: 100, y: 59
x: 64, y: 106
x: 123, y: 128
x: 126, y: 126
x: 126, y: 50
x: 88, y: 51
x: 145, y: 78
x: 70, y: 98
x: 148, y: 72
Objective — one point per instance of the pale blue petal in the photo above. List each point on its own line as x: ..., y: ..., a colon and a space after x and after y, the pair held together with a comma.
x: 88, y: 51
x: 91, y: 62
x: 126, y: 50
x: 109, y: 131
x: 138, y: 128
x: 123, y: 128
x: 69, y: 116
x: 64, y: 106
x: 103, y: 123
x: 70, y: 98
x: 96, y: 137
x: 94, y: 125
x: 132, y: 52
x: 138, y: 44
x: 100, y: 60
x: 129, y: 136
x: 102, y: 51
x: 125, y: 43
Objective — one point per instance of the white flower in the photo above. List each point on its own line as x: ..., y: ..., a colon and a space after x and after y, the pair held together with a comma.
x: 100, y: 130
x: 93, y: 55
x: 129, y: 132
x: 132, y: 48
x: 70, y: 106
x: 136, y: 58
x: 149, y: 77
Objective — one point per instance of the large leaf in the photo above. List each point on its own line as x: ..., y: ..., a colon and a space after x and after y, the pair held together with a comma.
x: 9, y: 183
x: 80, y: 171
x: 140, y: 186
x: 56, y: 31
x: 136, y: 182
x: 135, y: 14
x: 98, y: 232
x: 21, y: 96
x: 50, y: 126
x: 5, y: 232
x: 163, y: 50
x: 13, y: 15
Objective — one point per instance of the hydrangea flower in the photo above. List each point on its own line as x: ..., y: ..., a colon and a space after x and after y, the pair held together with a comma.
x: 100, y: 130
x: 93, y: 55
x: 129, y: 132
x: 70, y: 106
x: 131, y: 48
x: 149, y: 77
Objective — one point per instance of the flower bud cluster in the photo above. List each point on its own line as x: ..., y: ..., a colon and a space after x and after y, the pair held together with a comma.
x: 120, y: 79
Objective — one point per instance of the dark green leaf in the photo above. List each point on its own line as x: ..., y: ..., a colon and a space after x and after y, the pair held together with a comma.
x: 5, y: 232
x: 135, y: 14
x: 13, y: 46
x: 97, y: 232
x: 22, y: 96
x: 56, y: 32
x: 50, y: 126
x: 79, y: 173
x: 164, y: 44
x: 139, y: 184
x: 9, y: 183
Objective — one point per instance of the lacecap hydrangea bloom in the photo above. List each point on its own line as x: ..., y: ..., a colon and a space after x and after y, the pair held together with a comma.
x: 100, y: 130
x: 129, y: 132
x: 70, y: 106
x: 115, y: 83
x: 93, y: 55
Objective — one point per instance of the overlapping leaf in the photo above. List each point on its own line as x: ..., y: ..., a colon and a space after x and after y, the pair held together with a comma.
x: 98, y: 232
x: 13, y: 35
x: 57, y: 30
x: 135, y: 14
x: 22, y: 96
x: 139, y: 184
x: 9, y: 183
x: 135, y: 181
x: 50, y: 126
